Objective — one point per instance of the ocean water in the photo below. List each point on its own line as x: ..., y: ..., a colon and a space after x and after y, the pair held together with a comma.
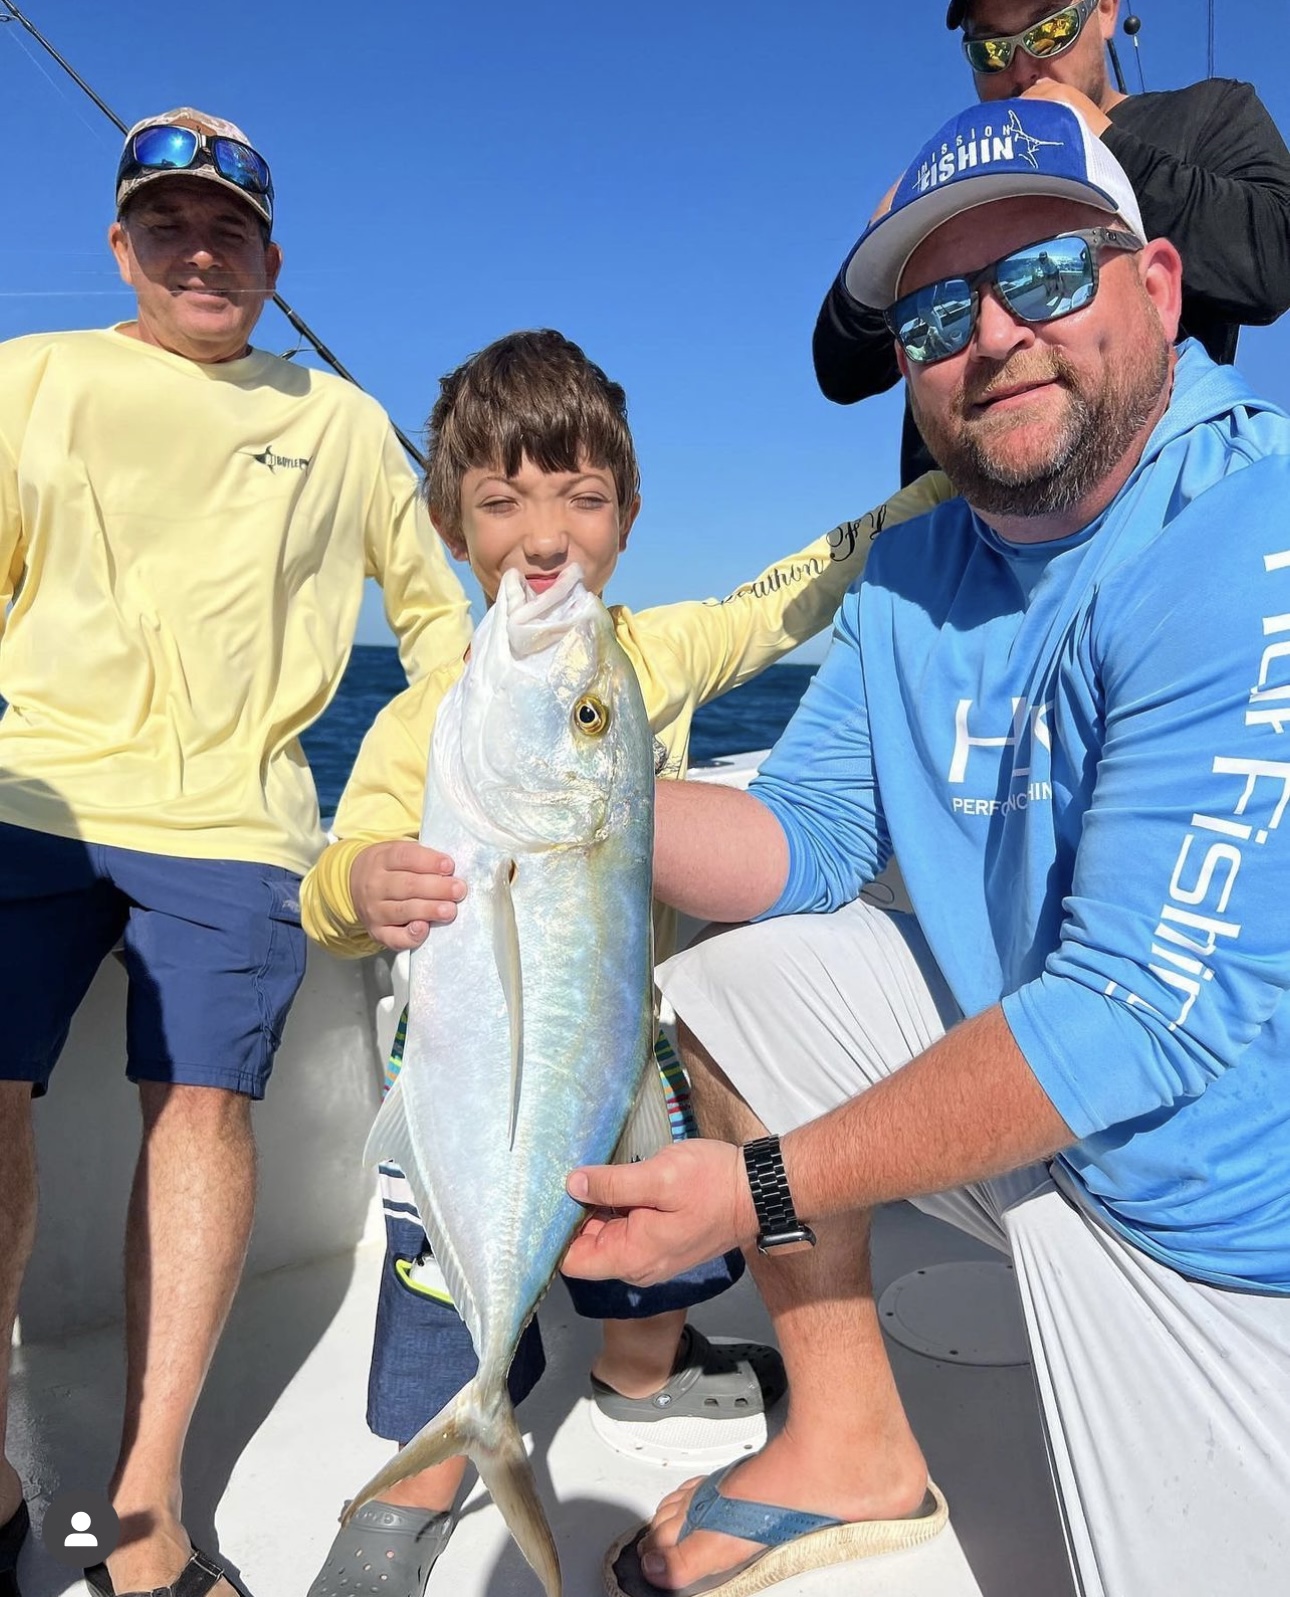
x: 749, y: 717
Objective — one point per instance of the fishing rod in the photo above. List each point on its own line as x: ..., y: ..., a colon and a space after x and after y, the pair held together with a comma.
x: 297, y: 322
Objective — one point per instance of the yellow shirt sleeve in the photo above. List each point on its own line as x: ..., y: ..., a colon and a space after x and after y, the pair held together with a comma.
x: 697, y: 650
x: 19, y: 379
x: 11, y: 555
x: 424, y: 602
x: 382, y: 801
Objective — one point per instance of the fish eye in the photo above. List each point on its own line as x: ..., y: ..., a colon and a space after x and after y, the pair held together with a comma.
x: 591, y: 716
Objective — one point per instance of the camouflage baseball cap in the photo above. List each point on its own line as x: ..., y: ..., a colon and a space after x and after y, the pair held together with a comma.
x: 222, y: 154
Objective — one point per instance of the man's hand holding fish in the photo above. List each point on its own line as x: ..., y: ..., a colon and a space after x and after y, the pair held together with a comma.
x: 687, y: 1204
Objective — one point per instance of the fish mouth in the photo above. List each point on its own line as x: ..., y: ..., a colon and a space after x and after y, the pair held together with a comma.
x: 537, y: 601
x: 535, y: 618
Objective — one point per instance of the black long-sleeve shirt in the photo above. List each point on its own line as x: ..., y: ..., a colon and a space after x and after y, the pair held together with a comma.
x: 1212, y: 175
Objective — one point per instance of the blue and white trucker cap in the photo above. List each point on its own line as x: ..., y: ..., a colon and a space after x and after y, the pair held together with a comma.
x: 990, y: 152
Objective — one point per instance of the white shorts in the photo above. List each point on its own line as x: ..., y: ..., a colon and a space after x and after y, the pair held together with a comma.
x: 1166, y: 1401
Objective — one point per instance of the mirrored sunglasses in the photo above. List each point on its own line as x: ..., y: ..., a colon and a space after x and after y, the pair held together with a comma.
x: 163, y: 148
x: 1041, y: 283
x: 1042, y: 40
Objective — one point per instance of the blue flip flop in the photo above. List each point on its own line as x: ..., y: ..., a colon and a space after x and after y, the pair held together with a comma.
x: 12, y: 1535
x: 793, y: 1542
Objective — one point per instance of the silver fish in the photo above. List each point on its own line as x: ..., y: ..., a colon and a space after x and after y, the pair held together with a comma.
x: 530, y: 1018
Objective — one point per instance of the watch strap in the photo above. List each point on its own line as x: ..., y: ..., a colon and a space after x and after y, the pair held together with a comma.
x: 778, y: 1224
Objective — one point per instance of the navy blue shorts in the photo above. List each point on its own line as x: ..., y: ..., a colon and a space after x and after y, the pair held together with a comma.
x: 214, y: 952
x: 422, y: 1354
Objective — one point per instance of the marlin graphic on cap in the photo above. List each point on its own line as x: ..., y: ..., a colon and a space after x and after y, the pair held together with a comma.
x: 1025, y: 144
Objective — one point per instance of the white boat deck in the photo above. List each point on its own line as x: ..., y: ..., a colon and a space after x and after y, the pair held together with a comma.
x: 279, y: 1442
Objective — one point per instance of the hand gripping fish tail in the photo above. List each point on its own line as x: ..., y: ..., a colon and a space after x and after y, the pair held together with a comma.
x: 530, y: 1015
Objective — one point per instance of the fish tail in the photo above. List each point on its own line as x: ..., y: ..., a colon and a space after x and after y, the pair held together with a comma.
x: 480, y: 1422
x: 508, y: 1475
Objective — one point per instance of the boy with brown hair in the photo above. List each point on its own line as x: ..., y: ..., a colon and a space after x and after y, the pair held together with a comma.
x: 532, y: 468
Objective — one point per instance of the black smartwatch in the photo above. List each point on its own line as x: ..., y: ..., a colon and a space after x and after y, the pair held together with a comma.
x: 780, y: 1229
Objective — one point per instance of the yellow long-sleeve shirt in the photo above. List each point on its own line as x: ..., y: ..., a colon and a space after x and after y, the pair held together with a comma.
x: 684, y: 655
x: 185, y: 547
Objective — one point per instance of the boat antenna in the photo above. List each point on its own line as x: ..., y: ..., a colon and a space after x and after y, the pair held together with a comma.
x: 1210, y: 72
x: 301, y: 327
x: 1133, y: 27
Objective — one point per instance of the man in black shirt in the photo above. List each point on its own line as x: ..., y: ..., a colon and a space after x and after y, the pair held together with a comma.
x: 1211, y: 172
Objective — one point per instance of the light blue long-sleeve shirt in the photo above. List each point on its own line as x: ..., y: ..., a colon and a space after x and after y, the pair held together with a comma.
x: 1080, y: 753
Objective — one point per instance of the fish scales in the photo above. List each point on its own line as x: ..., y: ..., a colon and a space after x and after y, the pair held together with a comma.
x: 530, y: 1022
x: 506, y: 1208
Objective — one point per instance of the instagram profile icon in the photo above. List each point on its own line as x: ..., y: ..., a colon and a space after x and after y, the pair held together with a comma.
x: 80, y: 1528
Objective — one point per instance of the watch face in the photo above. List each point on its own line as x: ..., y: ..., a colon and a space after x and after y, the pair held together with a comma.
x: 783, y: 1243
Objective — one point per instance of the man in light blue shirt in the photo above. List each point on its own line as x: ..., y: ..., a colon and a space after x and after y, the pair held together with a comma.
x: 1060, y: 700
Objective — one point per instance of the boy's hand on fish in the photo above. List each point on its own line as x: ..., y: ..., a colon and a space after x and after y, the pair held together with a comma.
x: 684, y: 1206
x: 400, y: 890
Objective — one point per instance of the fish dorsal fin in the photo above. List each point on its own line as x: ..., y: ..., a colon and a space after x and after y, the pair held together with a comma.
x: 648, y: 1127
x: 390, y: 1141
x: 506, y: 952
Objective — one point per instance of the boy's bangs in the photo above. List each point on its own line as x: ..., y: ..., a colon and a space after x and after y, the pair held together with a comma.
x: 554, y: 444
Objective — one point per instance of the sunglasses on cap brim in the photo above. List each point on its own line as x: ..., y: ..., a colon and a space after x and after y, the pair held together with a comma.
x: 165, y: 148
x: 1043, y: 40
x: 1041, y: 283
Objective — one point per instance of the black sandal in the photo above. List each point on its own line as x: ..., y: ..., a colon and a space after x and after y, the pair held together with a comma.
x: 384, y: 1551
x: 201, y: 1574
x: 12, y: 1535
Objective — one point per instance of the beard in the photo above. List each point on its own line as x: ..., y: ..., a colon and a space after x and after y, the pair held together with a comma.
x: 1096, y: 83
x: 1090, y: 440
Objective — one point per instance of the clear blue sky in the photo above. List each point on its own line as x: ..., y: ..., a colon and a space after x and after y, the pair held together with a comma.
x: 672, y: 185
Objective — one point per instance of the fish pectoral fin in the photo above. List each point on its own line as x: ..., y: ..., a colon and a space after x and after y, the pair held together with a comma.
x: 391, y: 1137
x: 649, y: 1127
x: 506, y: 953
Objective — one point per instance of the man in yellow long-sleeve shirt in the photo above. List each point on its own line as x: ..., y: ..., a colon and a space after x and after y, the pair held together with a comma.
x: 186, y: 524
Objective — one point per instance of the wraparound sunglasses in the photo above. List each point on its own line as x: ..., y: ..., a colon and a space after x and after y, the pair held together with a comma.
x: 1041, y: 283
x: 1042, y: 40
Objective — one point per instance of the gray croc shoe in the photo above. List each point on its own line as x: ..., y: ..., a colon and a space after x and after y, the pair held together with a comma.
x: 709, y: 1381
x: 384, y: 1551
